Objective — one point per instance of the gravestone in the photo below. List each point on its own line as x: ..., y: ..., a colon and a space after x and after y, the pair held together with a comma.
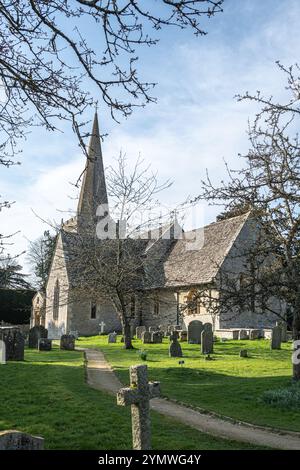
x: 45, y: 344
x: 112, y: 337
x: 14, y: 343
x: 276, y: 337
x: 2, y: 352
x: 243, y: 353
x: 138, y: 396
x: 152, y: 329
x: 15, y: 440
x: 207, y: 339
x: 102, y: 326
x: 156, y: 337
x: 36, y: 333
x: 183, y: 336
x: 67, y: 342
x: 283, y: 327
x: 74, y: 333
x: 243, y: 334
x: 175, y: 348
x: 163, y: 328
x: 254, y: 334
x: 146, y: 337
x: 139, y: 331
x: 19, y: 346
x: 195, y: 328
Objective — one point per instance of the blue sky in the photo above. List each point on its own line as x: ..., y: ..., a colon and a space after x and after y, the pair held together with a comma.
x: 195, y: 125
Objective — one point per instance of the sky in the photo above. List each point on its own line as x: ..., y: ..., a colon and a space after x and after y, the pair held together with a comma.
x: 195, y: 125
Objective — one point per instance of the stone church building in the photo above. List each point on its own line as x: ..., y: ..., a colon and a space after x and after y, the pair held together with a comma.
x: 174, y: 269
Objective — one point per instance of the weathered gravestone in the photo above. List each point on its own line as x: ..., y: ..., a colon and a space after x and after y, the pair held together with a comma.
x: 138, y: 396
x: 163, y: 328
x: 18, y: 347
x: 67, y: 342
x: 195, y: 328
x: 156, y: 337
x: 102, y: 327
x: 14, y: 343
x: 112, y: 337
x: 45, y: 344
x: 207, y: 339
x: 139, y: 331
x: 175, y: 348
x: 146, y: 337
x: 153, y: 329
x: 15, y: 440
x: 74, y: 333
x: 243, y: 353
x: 276, y: 337
x: 2, y: 352
x: 283, y: 327
x: 243, y: 334
x: 36, y: 333
x: 254, y: 334
x: 182, y: 336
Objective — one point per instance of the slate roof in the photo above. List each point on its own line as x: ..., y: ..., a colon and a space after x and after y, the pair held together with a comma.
x: 171, y: 263
x: 186, y: 262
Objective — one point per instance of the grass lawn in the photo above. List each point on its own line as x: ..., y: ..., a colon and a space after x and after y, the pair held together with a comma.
x: 229, y: 385
x: 46, y: 395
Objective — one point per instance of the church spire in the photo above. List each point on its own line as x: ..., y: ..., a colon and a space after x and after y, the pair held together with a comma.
x: 93, y: 190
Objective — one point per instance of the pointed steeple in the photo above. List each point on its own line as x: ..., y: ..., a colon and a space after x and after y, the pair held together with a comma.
x: 93, y: 190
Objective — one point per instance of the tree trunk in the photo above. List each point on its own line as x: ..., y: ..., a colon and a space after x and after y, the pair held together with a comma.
x: 296, y: 346
x: 127, y: 335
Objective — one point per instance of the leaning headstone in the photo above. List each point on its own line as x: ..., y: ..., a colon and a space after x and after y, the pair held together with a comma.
x: 243, y: 353
x: 156, y: 337
x: 67, y: 342
x: 139, y: 331
x: 112, y: 337
x: 146, y: 337
x: 2, y: 352
x: 45, y: 344
x: 243, y: 334
x: 276, y: 337
x: 15, y: 440
x: 175, y: 348
x: 183, y: 336
x: 35, y: 334
x: 138, y: 396
x: 207, y: 339
x: 195, y: 328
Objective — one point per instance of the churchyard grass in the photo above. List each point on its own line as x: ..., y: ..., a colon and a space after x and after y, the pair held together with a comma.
x: 47, y: 395
x: 228, y: 385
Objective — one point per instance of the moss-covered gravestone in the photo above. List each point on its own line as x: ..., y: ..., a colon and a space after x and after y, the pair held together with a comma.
x: 138, y: 396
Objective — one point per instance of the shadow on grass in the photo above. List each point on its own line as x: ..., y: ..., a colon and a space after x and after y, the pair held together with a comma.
x: 46, y: 395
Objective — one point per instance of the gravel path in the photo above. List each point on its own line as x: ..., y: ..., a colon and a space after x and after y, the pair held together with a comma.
x: 101, y: 376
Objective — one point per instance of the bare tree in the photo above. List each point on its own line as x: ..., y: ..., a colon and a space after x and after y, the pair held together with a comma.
x: 47, y: 51
x: 269, y: 185
x: 114, y: 267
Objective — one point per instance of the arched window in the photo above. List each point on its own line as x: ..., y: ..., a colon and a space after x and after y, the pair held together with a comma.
x: 56, y: 300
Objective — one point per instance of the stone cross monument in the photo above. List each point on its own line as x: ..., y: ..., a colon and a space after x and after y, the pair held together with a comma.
x: 102, y: 326
x: 138, y: 396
